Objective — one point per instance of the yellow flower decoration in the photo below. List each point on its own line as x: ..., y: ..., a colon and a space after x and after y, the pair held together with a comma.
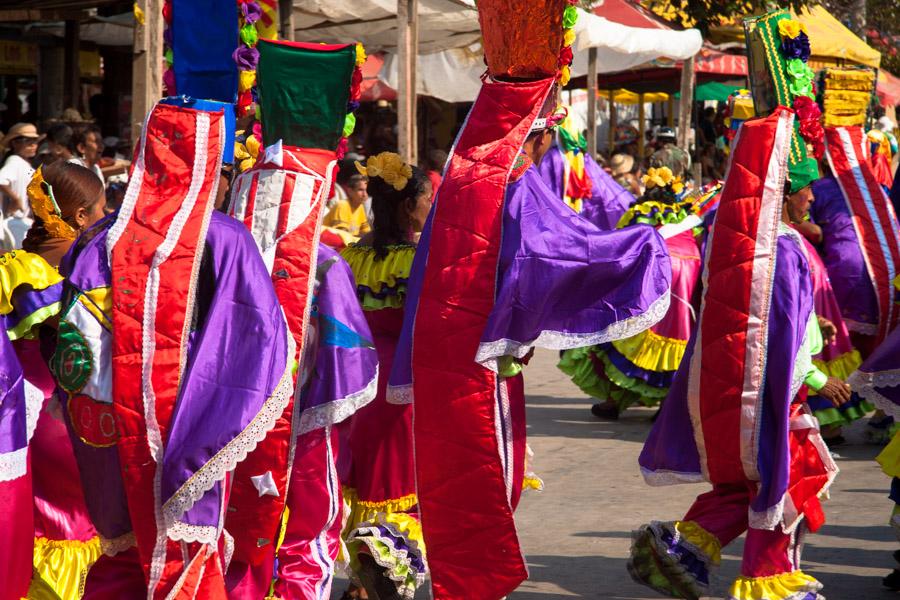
x: 661, y: 177
x: 564, y: 75
x: 360, y: 55
x: 44, y: 207
x: 246, y: 79
x: 789, y: 28
x: 568, y: 37
x: 138, y: 14
x: 677, y: 186
x: 253, y: 145
x: 389, y: 167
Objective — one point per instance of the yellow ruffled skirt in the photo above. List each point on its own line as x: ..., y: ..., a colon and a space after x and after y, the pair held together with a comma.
x: 62, y: 566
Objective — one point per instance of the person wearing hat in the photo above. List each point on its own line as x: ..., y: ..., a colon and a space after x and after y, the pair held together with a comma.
x: 670, y: 155
x: 621, y: 167
x: 21, y: 143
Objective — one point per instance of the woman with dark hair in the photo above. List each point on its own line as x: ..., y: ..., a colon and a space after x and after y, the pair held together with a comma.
x: 61, y: 142
x: 88, y: 146
x: 380, y: 482
x: 66, y: 200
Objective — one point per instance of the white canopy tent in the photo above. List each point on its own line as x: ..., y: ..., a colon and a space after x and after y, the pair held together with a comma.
x: 448, y: 63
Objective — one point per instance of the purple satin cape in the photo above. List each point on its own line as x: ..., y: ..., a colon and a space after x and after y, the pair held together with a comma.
x: 670, y: 454
x: 561, y: 282
x: 236, y: 358
x: 608, y: 201
x: 842, y: 254
x: 878, y: 378
x: 344, y: 374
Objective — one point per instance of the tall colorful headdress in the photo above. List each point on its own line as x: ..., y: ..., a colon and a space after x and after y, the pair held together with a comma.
x: 846, y: 98
x: 210, y: 55
x: 846, y: 95
x: 467, y: 521
x: 173, y: 469
x: 306, y: 96
x: 778, y: 49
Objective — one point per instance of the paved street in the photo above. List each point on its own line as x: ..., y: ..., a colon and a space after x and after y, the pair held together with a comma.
x: 576, y: 533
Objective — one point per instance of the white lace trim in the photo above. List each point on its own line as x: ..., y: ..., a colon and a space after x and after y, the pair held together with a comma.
x: 15, y: 464
x: 185, y: 532
x: 865, y: 385
x: 111, y: 547
x: 400, y: 394
x: 661, y: 478
x: 488, y: 352
x: 336, y: 411
x: 228, y: 550
x: 135, y: 183
x: 768, y: 519
x: 34, y: 401
x: 237, y: 449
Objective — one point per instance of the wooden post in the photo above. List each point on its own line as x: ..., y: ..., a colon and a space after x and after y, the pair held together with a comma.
x: 686, y: 103
x: 670, y: 111
x: 147, y: 65
x: 407, y: 49
x: 591, y: 136
x: 72, y: 69
x: 642, y: 126
x: 612, y: 121
x: 286, y: 19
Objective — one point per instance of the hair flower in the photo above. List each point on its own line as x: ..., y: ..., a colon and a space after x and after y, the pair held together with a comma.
x: 387, y: 166
x: 564, y: 75
x: 360, y: 55
x: 246, y: 79
x: 568, y: 37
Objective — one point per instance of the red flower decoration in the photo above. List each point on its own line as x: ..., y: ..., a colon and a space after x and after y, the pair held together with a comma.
x: 811, y: 130
x: 355, y: 83
x: 342, y: 148
x: 806, y: 109
x: 565, y: 57
x: 167, y: 12
x: 244, y: 102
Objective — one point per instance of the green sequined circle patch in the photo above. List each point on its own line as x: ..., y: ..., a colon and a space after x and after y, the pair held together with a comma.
x: 72, y: 362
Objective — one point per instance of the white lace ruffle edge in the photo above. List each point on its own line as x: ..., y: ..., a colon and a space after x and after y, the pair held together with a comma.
x: 661, y: 478
x: 113, y: 546
x: 15, y: 464
x: 332, y: 413
x: 185, y: 532
x: 865, y: 385
x: 235, y: 451
x: 400, y: 394
x: 489, y: 352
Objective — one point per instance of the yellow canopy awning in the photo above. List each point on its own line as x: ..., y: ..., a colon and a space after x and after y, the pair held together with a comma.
x: 830, y: 42
x: 623, y: 96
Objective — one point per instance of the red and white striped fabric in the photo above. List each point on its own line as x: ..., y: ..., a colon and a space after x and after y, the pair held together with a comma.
x: 873, y: 216
x: 280, y: 200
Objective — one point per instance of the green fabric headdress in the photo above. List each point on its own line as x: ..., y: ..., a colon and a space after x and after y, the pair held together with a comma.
x: 778, y: 48
x: 304, y: 91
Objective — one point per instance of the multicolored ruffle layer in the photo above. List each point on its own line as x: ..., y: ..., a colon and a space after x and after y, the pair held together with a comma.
x: 380, y: 282
x: 655, y: 213
x: 30, y: 292
x: 674, y: 558
x: 786, y: 586
x: 391, y: 533
x: 604, y: 372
